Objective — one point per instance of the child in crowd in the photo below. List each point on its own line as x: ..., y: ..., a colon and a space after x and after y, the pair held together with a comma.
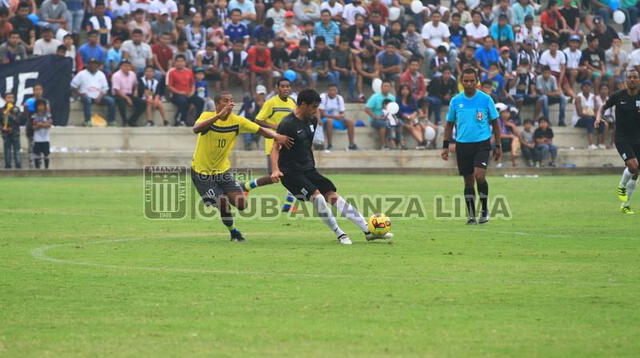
x: 394, y: 127
x: 41, y: 123
x: 151, y: 91
x: 10, y: 127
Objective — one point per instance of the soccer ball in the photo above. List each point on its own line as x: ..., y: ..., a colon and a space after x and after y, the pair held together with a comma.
x: 379, y: 224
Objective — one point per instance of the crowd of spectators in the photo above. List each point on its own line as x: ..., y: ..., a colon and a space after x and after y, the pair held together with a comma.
x: 131, y: 56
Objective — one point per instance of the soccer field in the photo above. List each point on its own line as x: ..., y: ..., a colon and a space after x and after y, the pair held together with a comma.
x: 84, y: 273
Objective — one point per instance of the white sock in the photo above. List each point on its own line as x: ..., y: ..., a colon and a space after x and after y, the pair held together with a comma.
x: 631, y: 187
x: 626, y: 175
x: 347, y: 210
x: 326, y: 215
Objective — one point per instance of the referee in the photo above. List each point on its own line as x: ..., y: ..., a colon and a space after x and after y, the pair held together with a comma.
x: 627, y: 136
x: 474, y: 113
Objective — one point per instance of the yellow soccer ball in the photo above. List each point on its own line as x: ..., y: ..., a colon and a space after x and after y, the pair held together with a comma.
x: 379, y: 224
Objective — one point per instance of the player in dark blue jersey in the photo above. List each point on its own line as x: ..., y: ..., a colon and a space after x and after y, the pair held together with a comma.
x: 474, y: 114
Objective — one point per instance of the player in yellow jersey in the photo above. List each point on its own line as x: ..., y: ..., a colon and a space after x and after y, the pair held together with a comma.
x: 270, y: 115
x: 210, y: 168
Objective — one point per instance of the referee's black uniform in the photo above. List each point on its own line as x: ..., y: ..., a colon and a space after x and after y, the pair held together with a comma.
x: 297, y: 163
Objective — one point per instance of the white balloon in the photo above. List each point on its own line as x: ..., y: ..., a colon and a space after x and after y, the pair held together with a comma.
x: 376, y: 85
x: 619, y: 17
x: 429, y: 133
x: 394, y: 13
x: 417, y: 7
x: 393, y: 108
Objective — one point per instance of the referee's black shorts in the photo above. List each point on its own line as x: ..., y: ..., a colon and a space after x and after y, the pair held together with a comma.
x: 627, y: 150
x: 472, y: 155
x: 303, y: 184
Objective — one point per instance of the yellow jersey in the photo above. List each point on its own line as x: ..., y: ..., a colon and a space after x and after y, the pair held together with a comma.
x: 214, y: 145
x: 272, y: 111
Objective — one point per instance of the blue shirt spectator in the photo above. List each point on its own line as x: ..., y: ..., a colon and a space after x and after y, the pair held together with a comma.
x: 375, y: 102
x: 521, y: 10
x: 486, y: 57
x: 114, y: 56
x: 87, y: 52
x: 246, y: 6
x: 502, y: 34
x: 329, y: 31
x: 236, y: 32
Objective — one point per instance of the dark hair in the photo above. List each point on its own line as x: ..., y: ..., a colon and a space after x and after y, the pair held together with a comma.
x: 403, y: 86
x: 210, y: 44
x: 304, y: 43
x: 14, y: 32
x: 46, y: 29
x: 93, y: 32
x: 262, y: 39
x: 234, y: 10
x: 308, y: 96
x: 180, y: 57
x: 23, y: 4
x: 268, y: 22
x: 456, y: 14
x: 137, y: 31
x: 414, y: 59
x: 218, y: 97
x: 386, y: 101
x: 321, y: 39
x: 546, y: 68
x: 543, y: 119
x: 487, y: 83
x: 344, y: 39
x: 332, y: 84
x: 40, y: 102
x: 527, y: 121
x: 323, y: 12
x: 149, y: 67
x: 475, y: 12
x: 61, y: 48
x: 280, y: 80
x: 469, y: 71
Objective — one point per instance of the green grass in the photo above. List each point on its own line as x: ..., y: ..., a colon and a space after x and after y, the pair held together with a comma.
x: 561, y: 278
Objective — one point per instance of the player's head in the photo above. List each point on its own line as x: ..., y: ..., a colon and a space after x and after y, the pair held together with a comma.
x: 222, y: 99
x: 283, y: 87
x: 632, y: 79
x: 469, y: 79
x: 308, y: 102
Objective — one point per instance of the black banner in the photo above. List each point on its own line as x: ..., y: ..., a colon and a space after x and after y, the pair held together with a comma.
x: 52, y: 71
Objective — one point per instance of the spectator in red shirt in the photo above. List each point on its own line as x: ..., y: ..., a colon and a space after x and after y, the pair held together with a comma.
x: 260, y: 64
x: 554, y: 26
x: 162, y: 54
x: 414, y: 80
x: 182, y: 85
x: 377, y: 5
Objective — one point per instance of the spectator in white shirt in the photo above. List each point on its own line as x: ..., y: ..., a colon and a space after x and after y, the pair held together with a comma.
x: 557, y: 62
x: 169, y: 5
x: 335, y: 8
x: 91, y: 84
x: 332, y: 112
x: 47, y: 45
x: 476, y: 31
x: 435, y: 34
x: 573, y: 55
x: 351, y: 10
x: 616, y: 62
x: 634, y: 35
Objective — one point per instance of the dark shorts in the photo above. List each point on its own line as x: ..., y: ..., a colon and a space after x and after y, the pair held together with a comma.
x: 627, y: 150
x: 587, y: 123
x: 303, y: 184
x: 211, y: 187
x: 506, y: 144
x: 472, y: 155
x: 41, y: 148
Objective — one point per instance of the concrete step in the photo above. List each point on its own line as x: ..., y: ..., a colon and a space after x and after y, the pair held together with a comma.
x: 180, y: 138
x: 353, y: 160
x: 353, y: 110
x: 74, y: 139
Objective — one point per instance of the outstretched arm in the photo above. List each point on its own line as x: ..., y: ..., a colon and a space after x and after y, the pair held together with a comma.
x: 280, y: 139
